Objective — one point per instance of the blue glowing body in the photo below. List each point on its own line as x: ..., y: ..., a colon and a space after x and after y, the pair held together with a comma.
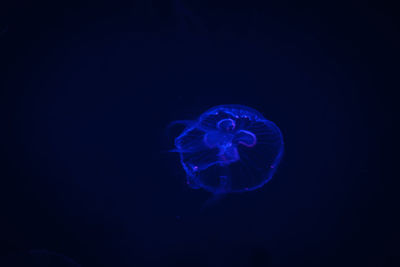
x: 230, y: 148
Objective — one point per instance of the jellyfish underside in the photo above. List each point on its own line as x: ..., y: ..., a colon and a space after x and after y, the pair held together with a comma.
x: 227, y: 140
x: 229, y: 149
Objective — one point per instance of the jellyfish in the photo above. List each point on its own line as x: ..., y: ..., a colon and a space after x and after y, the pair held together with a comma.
x: 229, y: 148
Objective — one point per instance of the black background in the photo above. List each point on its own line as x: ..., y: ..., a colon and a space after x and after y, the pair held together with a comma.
x: 88, y: 89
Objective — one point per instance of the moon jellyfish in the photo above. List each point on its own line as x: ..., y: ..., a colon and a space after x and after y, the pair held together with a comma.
x: 229, y: 148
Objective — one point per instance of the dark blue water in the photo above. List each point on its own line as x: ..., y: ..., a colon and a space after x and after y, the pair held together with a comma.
x: 89, y: 88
